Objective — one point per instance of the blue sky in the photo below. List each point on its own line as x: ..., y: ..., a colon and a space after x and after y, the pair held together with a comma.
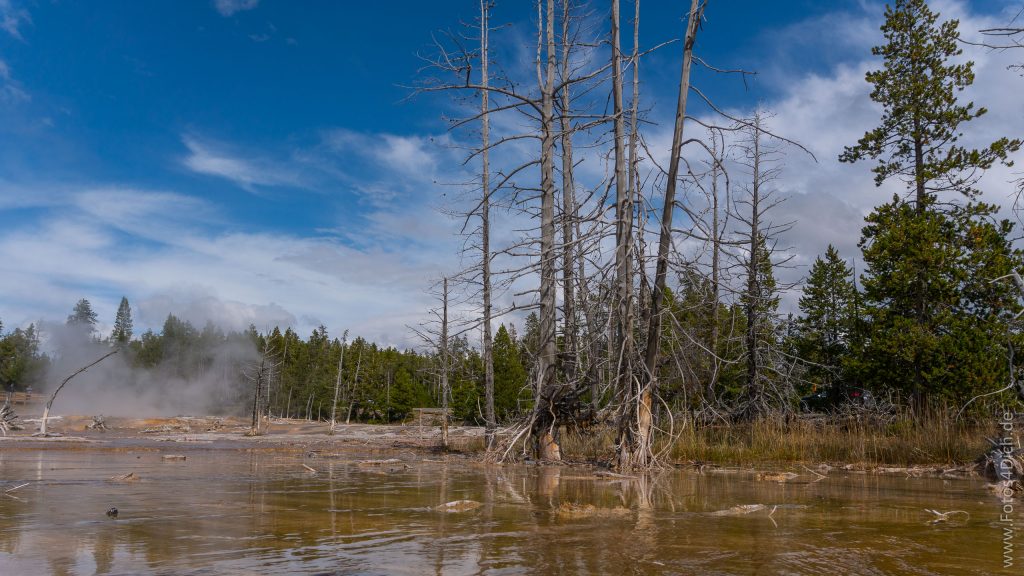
x: 261, y: 161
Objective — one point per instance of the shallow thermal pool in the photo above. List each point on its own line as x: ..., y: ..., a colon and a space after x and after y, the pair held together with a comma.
x: 239, y: 511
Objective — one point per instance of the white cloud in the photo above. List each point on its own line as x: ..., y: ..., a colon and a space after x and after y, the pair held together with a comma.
x: 412, y: 155
x: 11, y: 90
x: 213, y: 159
x: 152, y: 247
x: 12, y: 18
x: 230, y: 7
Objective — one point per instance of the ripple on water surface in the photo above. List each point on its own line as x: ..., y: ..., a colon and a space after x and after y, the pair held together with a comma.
x: 225, y: 511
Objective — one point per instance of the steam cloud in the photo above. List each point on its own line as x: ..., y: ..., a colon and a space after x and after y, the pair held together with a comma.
x: 198, y: 381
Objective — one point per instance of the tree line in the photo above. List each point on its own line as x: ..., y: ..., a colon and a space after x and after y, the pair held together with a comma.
x: 378, y: 383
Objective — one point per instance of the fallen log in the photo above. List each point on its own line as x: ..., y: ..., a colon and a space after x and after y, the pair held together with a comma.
x: 9, y: 418
x: 458, y: 506
x: 98, y: 423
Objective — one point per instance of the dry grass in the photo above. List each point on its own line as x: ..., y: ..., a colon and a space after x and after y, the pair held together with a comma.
x: 903, y: 443
x: 936, y: 439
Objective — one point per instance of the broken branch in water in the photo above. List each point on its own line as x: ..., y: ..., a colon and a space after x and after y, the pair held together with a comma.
x: 9, y: 490
x: 378, y: 462
x: 945, y: 516
x: 818, y: 474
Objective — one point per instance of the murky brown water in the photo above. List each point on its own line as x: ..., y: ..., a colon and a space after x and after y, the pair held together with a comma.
x: 227, y: 511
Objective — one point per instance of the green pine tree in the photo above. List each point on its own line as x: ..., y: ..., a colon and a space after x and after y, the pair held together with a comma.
x: 917, y: 88
x: 825, y: 329
x: 936, y: 319
x: 82, y: 315
x: 511, y: 391
x: 122, y: 333
x: 932, y: 315
x: 21, y: 361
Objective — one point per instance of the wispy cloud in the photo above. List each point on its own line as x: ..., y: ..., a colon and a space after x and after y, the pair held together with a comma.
x: 11, y: 90
x: 214, y: 159
x: 407, y: 154
x: 230, y: 7
x: 12, y: 18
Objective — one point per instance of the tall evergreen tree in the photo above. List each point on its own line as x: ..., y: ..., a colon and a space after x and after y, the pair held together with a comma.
x: 931, y: 315
x: 511, y: 392
x: 917, y: 87
x: 828, y: 307
x: 82, y: 315
x: 122, y: 333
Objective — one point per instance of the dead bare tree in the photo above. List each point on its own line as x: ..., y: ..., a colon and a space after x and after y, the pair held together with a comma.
x: 485, y: 223
x: 261, y: 378
x: 350, y: 391
x: 8, y: 417
x: 548, y: 392
x: 443, y: 355
x: 635, y: 425
x: 623, y: 361
x: 337, y: 383
x: 711, y: 225
x: 437, y: 334
x: 569, y: 215
x: 49, y: 403
x: 760, y: 297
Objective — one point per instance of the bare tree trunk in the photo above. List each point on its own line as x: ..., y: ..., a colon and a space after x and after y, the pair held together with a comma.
x: 716, y: 254
x: 545, y: 421
x: 753, y: 288
x: 635, y: 444
x: 485, y: 226
x: 49, y: 403
x: 623, y: 232
x: 593, y: 332
x: 444, y: 367
x: 264, y: 373
x: 634, y: 176
x: 352, y: 387
x: 568, y: 208
x: 254, y: 430
x: 337, y: 384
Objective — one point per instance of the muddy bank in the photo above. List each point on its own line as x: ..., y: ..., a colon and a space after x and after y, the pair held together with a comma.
x: 232, y: 432
x: 412, y: 442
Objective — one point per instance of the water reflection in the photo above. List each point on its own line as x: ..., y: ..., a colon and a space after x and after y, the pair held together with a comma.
x: 242, y: 512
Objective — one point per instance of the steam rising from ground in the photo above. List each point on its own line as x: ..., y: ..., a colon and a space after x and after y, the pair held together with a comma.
x: 207, y: 381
